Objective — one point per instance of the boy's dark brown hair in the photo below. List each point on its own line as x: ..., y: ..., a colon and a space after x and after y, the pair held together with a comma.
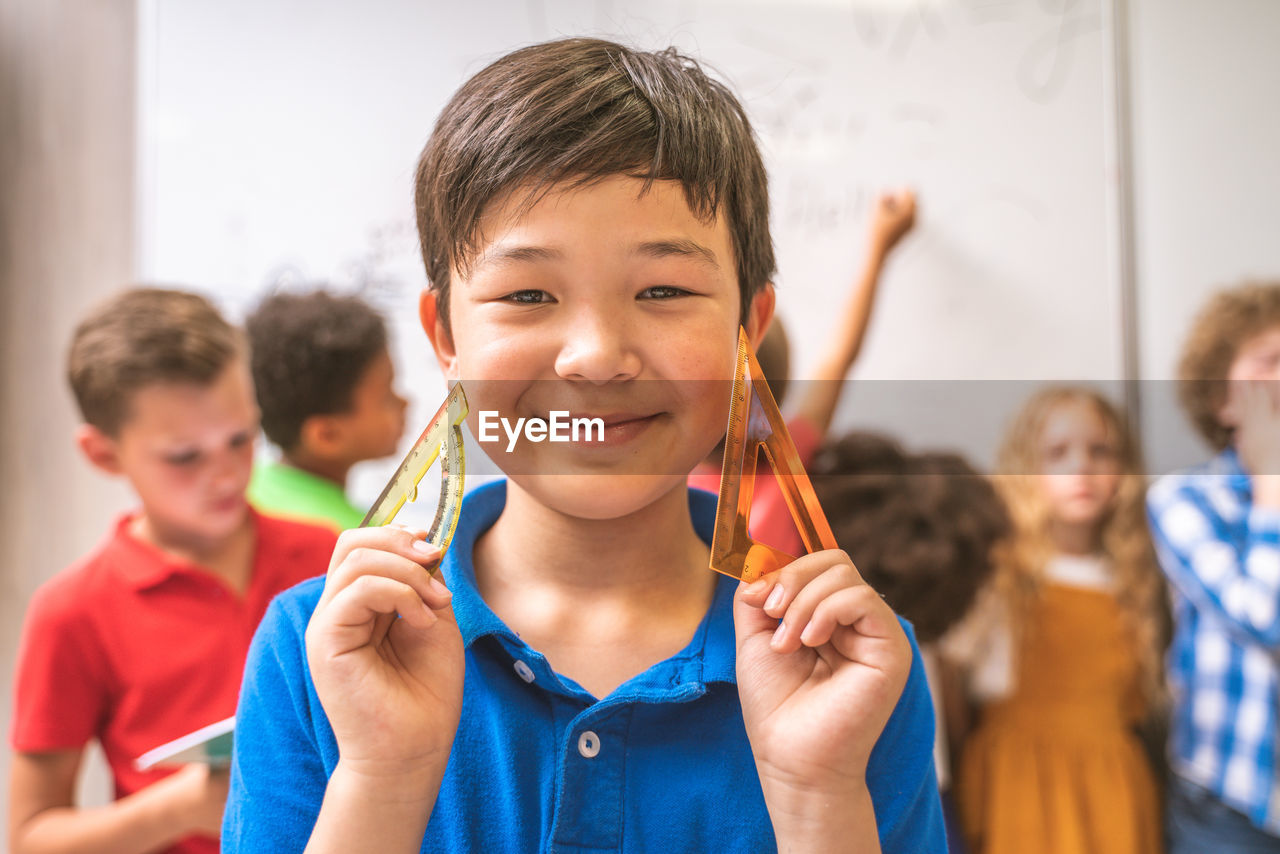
x: 578, y: 110
x: 1230, y: 318
x: 920, y: 528
x: 141, y: 337
x: 308, y: 353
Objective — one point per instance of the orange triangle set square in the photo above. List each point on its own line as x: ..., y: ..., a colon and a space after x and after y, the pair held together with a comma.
x: 755, y: 424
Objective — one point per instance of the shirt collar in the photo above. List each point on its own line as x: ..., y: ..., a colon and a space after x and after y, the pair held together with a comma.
x: 296, y: 479
x: 710, y: 655
x: 143, y: 566
x: 1227, y: 464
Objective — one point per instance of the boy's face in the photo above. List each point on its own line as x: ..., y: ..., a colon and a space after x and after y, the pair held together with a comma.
x: 372, y: 427
x: 1257, y: 360
x: 608, y: 303
x: 187, y: 450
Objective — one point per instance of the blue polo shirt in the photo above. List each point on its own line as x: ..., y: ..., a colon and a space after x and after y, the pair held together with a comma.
x: 540, y: 765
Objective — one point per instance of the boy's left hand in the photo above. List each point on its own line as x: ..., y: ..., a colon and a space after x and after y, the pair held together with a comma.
x: 818, y: 688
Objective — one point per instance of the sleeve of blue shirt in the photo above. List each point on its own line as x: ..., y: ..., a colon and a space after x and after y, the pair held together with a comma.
x: 1234, y: 574
x: 277, y: 774
x: 901, y: 774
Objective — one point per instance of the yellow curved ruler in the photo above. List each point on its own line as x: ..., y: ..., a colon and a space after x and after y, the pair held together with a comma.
x: 442, y: 439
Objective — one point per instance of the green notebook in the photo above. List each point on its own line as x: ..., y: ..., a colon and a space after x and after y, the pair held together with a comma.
x: 210, y: 745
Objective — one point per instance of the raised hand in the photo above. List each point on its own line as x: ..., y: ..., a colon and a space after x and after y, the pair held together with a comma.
x: 892, y: 216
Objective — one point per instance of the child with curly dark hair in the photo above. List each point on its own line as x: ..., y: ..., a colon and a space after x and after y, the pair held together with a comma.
x: 325, y: 384
x: 921, y: 527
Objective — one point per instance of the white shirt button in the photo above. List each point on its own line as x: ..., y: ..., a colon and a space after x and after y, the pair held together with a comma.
x: 589, y: 744
x: 523, y: 671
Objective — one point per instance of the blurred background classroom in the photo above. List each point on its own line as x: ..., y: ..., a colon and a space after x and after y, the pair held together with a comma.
x: 1088, y: 173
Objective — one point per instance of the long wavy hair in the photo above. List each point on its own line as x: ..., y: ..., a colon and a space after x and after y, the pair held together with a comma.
x: 1124, y: 537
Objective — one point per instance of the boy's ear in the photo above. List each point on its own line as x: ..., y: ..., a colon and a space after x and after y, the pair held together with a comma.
x: 321, y: 436
x: 98, y: 448
x: 441, y: 340
x: 761, y: 314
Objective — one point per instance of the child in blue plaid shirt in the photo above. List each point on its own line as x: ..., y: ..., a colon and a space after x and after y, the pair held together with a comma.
x: 1217, y: 534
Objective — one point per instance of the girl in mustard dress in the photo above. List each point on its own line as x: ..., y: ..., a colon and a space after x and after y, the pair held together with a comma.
x: 1063, y: 653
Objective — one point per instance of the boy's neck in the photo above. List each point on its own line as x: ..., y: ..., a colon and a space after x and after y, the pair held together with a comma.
x: 532, y: 544
x: 603, y: 599
x: 230, y: 558
x: 335, y: 471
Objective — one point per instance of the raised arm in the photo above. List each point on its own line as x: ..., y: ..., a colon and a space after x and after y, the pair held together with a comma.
x: 892, y: 217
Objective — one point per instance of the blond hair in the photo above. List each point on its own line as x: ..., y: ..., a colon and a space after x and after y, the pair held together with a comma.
x: 1021, y: 558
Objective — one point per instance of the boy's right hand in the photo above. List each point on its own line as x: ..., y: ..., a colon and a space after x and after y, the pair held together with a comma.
x: 386, y: 656
x: 201, y: 793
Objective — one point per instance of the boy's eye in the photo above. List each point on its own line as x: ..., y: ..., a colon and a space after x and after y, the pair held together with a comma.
x: 239, y: 440
x: 183, y: 459
x: 528, y: 296
x: 663, y: 292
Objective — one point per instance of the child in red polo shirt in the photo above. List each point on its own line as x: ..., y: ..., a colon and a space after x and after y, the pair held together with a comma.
x: 144, y: 640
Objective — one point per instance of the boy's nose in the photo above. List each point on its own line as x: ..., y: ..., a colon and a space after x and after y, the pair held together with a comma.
x: 598, y: 349
x: 231, y: 467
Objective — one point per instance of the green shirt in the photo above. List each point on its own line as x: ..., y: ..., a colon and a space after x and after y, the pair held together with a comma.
x: 278, y: 489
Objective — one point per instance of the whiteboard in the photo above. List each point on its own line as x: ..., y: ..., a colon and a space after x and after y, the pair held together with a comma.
x: 278, y: 138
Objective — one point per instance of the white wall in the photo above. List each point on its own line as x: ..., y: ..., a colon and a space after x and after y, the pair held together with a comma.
x: 1206, y: 153
x: 279, y: 140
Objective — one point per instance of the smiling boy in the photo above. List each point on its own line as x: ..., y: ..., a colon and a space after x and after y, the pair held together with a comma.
x: 594, y: 223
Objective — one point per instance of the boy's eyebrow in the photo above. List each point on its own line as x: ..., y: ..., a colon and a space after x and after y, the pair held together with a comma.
x: 678, y: 247
x: 504, y: 254
x: 681, y: 247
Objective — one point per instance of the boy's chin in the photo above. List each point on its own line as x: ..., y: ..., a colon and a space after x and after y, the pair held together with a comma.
x: 598, y: 497
x: 213, y: 527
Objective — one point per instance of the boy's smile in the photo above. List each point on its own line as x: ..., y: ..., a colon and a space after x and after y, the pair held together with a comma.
x: 608, y: 302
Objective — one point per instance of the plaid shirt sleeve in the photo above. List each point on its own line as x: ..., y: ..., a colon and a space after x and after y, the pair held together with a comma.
x: 1221, y: 553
